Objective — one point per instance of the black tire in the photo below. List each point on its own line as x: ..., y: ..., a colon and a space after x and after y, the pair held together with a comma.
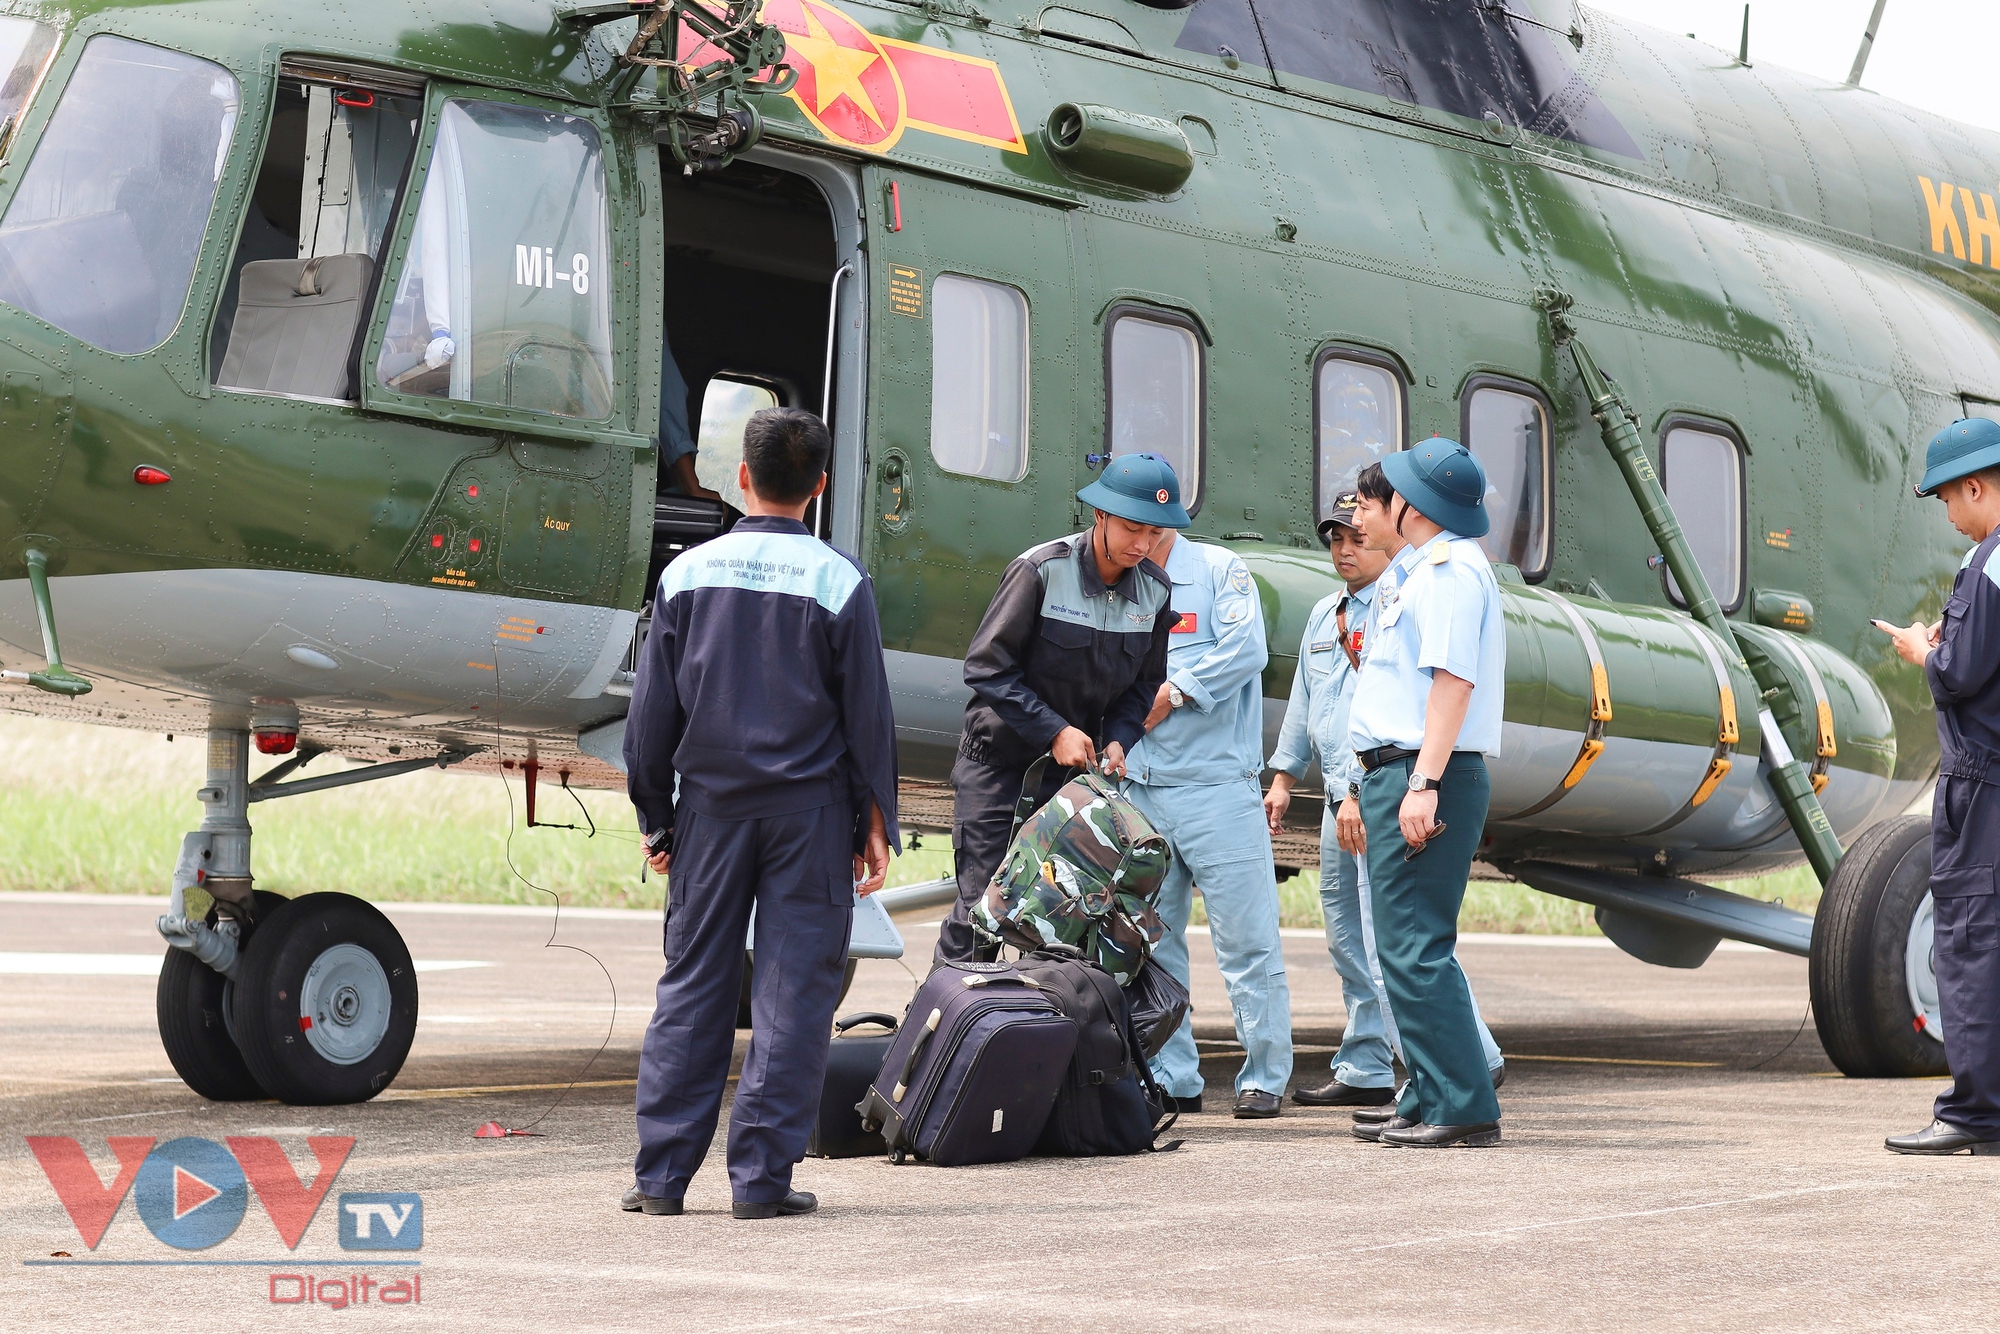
x: 1860, y: 952
x: 743, y: 995
x: 191, y: 1003
x: 367, y: 986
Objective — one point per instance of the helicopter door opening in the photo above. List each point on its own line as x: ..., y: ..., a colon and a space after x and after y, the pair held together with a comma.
x: 338, y: 149
x: 751, y: 255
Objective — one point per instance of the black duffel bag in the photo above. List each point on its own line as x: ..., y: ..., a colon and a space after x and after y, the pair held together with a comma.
x: 1159, y: 1005
x: 1108, y: 1103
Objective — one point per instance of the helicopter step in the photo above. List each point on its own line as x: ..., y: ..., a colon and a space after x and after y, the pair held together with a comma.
x: 311, y: 1000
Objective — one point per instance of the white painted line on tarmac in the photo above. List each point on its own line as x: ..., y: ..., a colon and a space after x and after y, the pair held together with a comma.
x: 21, y: 964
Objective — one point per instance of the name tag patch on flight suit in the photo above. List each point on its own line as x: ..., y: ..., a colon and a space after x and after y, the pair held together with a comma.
x: 1186, y: 624
x: 1323, y: 646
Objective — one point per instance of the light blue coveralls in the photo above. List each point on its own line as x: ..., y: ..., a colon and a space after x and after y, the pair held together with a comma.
x: 1315, y: 727
x: 1195, y: 776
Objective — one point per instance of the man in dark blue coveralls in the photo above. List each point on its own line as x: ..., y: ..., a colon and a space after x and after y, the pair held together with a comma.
x: 762, y: 690
x: 1960, y: 656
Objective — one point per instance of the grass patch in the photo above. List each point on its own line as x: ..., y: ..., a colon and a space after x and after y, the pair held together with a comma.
x: 101, y: 810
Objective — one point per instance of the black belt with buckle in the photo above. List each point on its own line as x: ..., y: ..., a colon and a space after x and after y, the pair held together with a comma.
x: 1371, y: 760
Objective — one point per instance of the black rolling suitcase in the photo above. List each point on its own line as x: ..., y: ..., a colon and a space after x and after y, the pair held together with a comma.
x: 973, y: 1073
x: 852, y: 1060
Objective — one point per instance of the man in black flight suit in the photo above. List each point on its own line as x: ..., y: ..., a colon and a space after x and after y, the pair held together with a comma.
x: 1070, y: 654
x: 1960, y: 656
x: 763, y: 690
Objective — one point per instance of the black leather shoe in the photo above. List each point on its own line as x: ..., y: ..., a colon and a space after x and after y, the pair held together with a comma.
x: 1375, y: 1116
x: 1372, y: 1130
x: 1337, y: 1094
x: 1482, y: 1135
x: 1256, y: 1105
x: 1499, y: 1073
x: 1940, y: 1137
x: 798, y: 1202
x: 1187, y: 1106
x: 636, y: 1201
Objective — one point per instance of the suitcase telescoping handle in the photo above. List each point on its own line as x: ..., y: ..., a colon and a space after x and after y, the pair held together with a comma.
x: 916, y: 1050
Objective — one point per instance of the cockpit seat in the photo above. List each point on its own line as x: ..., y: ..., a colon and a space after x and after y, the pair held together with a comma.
x: 295, y: 322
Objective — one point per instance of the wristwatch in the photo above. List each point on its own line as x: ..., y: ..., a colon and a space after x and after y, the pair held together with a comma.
x: 1354, y: 791
x: 1174, y: 696
x: 1419, y: 783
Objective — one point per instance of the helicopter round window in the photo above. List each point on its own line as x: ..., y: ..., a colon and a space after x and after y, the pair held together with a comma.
x: 1154, y: 386
x: 1507, y: 430
x: 1358, y: 411
x: 503, y: 298
x: 102, y: 236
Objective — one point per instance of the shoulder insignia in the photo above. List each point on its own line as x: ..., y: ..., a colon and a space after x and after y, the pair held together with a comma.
x: 1439, y: 554
x: 1239, y: 576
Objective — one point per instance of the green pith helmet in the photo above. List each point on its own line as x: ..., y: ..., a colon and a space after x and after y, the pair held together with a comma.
x: 1085, y: 871
x: 1139, y: 488
x: 1442, y: 482
x: 1960, y: 449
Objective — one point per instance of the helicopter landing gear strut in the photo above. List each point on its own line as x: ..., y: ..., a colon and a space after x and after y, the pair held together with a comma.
x: 1874, y: 986
x: 310, y: 1000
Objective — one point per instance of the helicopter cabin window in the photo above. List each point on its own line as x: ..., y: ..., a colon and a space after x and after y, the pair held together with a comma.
x: 1701, y: 466
x: 333, y: 161
x: 1506, y: 427
x: 1154, y: 392
x: 979, y: 378
x: 1358, y: 418
x: 504, y: 299
x: 726, y: 408
x: 103, y: 232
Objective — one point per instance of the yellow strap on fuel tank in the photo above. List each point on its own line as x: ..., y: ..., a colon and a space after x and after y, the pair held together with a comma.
x: 1727, y: 730
x: 1600, y: 705
x: 1824, y: 748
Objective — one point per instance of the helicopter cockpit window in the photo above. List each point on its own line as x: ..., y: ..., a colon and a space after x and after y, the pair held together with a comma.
x: 103, y: 232
x: 1154, y: 392
x: 1702, y: 470
x: 333, y: 161
x: 504, y: 297
x: 979, y: 378
x: 1507, y: 430
x: 1358, y: 418
x: 25, y: 50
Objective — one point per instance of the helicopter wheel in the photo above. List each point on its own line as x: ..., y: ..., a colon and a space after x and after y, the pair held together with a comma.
x: 325, y: 1003
x: 1874, y: 984
x: 192, y: 1005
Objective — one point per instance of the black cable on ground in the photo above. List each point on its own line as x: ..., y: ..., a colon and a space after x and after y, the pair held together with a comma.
x: 1788, y: 1042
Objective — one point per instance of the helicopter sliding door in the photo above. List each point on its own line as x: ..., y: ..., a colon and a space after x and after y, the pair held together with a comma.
x: 974, y: 434
x: 497, y: 310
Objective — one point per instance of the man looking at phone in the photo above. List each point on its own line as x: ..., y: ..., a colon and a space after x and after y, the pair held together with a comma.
x: 1067, y: 661
x: 1426, y: 713
x: 1960, y: 656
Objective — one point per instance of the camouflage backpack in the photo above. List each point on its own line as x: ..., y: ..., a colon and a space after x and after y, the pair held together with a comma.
x: 1083, y: 871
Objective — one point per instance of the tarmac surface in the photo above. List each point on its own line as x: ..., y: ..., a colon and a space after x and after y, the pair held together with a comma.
x: 1679, y: 1154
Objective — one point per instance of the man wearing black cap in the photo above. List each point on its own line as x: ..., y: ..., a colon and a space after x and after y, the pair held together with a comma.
x: 1066, y: 661
x: 1960, y: 656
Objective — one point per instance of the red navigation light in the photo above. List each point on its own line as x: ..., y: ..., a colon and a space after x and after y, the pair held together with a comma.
x: 275, y: 743
x: 472, y: 545
x: 437, y: 541
x: 472, y: 491
x: 147, y: 475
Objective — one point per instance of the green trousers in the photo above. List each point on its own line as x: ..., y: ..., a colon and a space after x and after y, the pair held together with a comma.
x: 1416, y: 935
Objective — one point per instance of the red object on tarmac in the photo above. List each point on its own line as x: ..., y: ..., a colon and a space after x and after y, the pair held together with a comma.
x: 494, y: 1130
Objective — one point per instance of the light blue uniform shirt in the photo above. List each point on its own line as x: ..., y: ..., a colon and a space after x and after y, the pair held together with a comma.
x: 1216, y: 656
x: 1438, y: 607
x: 1316, y: 718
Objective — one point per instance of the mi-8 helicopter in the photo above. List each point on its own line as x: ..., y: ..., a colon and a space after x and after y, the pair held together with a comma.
x: 331, y: 362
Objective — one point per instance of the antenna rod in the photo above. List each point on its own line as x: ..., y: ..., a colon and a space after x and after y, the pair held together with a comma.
x: 1867, y: 44
x: 1743, y: 51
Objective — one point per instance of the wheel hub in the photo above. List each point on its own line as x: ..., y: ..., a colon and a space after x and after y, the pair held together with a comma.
x: 1920, y: 971
x: 344, y: 1004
